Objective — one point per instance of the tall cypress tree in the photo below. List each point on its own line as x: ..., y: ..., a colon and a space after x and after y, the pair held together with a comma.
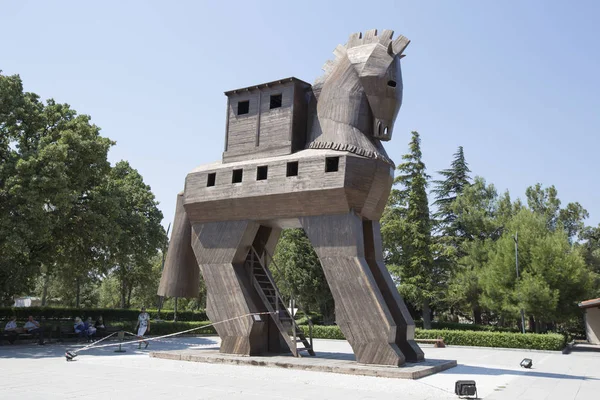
x: 450, y: 232
x: 456, y: 179
x: 406, y: 228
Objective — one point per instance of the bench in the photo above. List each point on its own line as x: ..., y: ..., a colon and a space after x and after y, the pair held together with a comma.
x: 20, y: 336
x: 60, y: 332
x: 439, y: 342
x: 69, y: 333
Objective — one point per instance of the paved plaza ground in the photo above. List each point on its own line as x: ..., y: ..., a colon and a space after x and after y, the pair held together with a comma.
x: 29, y: 371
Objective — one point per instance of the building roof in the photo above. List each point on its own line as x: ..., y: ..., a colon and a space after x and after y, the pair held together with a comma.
x: 265, y: 85
x: 590, y: 303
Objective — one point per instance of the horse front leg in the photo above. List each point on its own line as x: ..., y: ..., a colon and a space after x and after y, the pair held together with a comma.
x: 360, y: 308
x: 221, y: 249
x: 404, y: 324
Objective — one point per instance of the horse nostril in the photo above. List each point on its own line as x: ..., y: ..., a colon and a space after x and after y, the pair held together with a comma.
x: 392, y: 83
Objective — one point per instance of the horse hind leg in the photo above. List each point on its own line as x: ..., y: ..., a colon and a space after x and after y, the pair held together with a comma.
x: 361, y: 310
x: 180, y: 276
x: 221, y: 249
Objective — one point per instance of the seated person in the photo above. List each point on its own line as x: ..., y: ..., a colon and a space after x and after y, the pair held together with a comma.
x: 11, y: 330
x: 99, y: 325
x: 90, y: 329
x: 33, y: 327
x: 79, y: 327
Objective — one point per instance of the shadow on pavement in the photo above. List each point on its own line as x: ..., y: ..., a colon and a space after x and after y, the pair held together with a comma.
x: 55, y: 349
x: 473, y: 370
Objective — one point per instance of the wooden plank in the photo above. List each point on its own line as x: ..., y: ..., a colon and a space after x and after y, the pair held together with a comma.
x: 227, y: 124
x: 258, y: 120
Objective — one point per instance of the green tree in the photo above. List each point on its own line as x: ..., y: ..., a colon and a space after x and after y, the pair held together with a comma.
x: 553, y: 274
x: 138, y: 234
x: 476, y: 210
x: 110, y: 292
x: 448, y: 232
x: 298, y: 273
x: 406, y: 227
x: 590, y: 250
x: 545, y: 202
x: 446, y: 191
x: 52, y: 161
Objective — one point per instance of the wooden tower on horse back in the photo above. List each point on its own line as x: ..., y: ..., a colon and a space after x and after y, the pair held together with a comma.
x: 309, y: 157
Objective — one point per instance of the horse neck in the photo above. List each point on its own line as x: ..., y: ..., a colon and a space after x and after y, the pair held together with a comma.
x: 340, y: 115
x: 343, y: 101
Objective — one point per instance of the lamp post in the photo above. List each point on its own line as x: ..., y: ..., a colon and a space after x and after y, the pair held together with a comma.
x: 516, y: 239
x: 162, y: 267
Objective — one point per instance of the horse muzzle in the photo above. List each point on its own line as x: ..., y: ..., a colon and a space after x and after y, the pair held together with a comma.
x: 382, y: 129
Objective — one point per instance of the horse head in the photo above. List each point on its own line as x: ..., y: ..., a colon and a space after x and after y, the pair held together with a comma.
x: 360, y: 94
x: 376, y: 60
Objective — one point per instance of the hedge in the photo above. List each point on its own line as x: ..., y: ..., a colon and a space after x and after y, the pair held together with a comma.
x: 546, y: 341
x: 457, y: 326
x: 108, y: 314
x: 156, y: 328
x: 166, y: 327
x: 549, y: 341
x: 324, y: 332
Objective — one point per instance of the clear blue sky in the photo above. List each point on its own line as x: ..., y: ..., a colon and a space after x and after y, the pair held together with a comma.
x: 517, y: 83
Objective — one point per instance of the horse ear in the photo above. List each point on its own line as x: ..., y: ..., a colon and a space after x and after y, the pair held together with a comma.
x: 385, y: 37
x: 399, y: 45
x: 354, y: 40
x: 390, y: 49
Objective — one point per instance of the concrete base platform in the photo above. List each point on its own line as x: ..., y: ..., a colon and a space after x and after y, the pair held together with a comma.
x: 340, y: 363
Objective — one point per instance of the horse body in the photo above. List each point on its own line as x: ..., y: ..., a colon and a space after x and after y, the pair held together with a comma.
x: 337, y: 195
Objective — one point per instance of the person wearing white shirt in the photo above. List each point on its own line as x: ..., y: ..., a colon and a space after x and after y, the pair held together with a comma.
x: 11, y: 330
x: 143, y: 326
x: 33, y: 327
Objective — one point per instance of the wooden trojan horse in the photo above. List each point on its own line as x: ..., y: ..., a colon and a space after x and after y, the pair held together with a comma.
x: 299, y: 156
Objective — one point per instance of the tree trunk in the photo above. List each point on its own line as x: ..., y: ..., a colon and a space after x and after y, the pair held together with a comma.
x: 129, y: 290
x: 160, y: 304
x: 426, y: 315
x: 532, y: 324
x: 123, y: 293
x: 45, y: 292
x: 477, y: 315
x: 78, y: 293
x: 328, y: 315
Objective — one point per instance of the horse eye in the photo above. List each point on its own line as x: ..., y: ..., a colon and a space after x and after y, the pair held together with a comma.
x: 392, y: 83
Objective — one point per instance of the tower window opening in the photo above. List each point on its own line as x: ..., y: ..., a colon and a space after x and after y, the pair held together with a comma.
x: 332, y: 164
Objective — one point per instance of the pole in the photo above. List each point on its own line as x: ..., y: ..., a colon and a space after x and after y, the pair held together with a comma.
x: 516, y: 238
x: 121, y: 335
x: 162, y: 267
x: 175, y: 311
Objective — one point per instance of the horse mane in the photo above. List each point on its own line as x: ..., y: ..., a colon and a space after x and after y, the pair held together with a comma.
x: 395, y: 46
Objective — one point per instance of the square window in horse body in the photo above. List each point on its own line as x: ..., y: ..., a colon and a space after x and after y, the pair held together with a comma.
x: 210, y: 181
x: 261, y: 173
x: 237, y: 176
x: 332, y: 164
x: 292, y: 168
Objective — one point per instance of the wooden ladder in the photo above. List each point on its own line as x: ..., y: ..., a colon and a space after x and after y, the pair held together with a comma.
x: 267, y: 290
